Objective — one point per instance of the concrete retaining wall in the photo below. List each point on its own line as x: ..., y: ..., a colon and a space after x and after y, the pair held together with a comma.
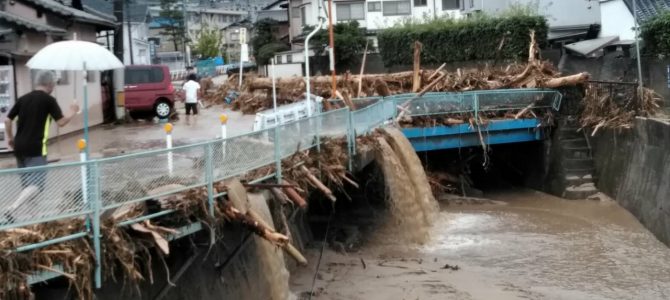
x: 633, y: 167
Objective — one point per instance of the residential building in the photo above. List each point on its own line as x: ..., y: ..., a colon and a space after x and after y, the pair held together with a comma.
x: 135, y: 29
x: 231, y: 38
x: 26, y: 26
x: 197, y: 17
x: 372, y: 15
x: 569, y: 20
x: 618, y: 19
x: 276, y: 11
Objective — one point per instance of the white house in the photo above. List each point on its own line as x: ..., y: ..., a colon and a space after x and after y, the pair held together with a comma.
x: 134, y: 26
x: 26, y: 26
x: 618, y: 19
x: 370, y: 14
x: 140, y: 52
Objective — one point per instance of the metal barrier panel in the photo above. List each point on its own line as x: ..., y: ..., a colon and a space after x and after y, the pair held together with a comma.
x: 514, y: 99
x: 334, y: 123
x: 297, y: 135
x: 41, y: 194
x: 131, y: 178
x: 437, y: 103
x: 237, y: 155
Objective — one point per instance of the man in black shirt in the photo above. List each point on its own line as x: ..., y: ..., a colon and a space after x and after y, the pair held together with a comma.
x: 35, y: 111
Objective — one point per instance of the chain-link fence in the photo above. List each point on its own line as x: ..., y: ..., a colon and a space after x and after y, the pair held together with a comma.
x: 42, y: 194
x: 474, y: 101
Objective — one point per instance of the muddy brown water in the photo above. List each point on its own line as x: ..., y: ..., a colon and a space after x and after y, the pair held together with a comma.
x: 534, y: 246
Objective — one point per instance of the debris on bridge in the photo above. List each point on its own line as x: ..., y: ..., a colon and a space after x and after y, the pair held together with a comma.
x: 257, y: 91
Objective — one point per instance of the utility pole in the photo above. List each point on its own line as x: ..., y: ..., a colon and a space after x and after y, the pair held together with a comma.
x: 187, y: 50
x: 637, y: 44
x: 332, y: 49
x: 130, y: 36
x: 118, y: 32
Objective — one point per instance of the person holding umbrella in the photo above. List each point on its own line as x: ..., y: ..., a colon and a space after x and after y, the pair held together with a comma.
x: 35, y: 111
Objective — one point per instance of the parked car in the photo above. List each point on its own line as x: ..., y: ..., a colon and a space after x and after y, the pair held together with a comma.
x: 149, y: 89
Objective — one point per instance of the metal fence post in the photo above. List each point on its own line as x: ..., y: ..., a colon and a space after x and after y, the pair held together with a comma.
x: 318, y: 120
x: 476, y: 107
x: 277, y: 155
x: 351, y: 139
x: 96, y: 202
x: 209, y: 176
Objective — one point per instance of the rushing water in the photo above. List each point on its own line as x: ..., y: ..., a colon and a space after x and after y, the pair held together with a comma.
x: 534, y: 246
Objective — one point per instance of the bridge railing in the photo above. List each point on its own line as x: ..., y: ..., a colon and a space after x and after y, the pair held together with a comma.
x: 476, y: 101
x: 89, y: 190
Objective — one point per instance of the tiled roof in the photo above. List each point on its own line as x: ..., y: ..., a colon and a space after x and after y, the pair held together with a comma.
x: 27, y: 23
x: 647, y: 9
x: 67, y: 11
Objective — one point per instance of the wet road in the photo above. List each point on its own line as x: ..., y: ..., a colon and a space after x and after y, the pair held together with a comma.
x: 533, y: 247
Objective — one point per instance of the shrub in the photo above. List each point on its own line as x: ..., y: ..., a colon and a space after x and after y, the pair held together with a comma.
x: 656, y: 34
x: 448, y: 40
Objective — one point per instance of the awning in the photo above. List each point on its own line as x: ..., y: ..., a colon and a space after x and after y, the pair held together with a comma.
x: 588, y: 47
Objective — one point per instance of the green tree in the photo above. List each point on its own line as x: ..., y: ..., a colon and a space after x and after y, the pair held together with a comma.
x: 655, y: 33
x: 174, y: 26
x: 209, y: 42
x: 349, y: 43
x: 265, y: 42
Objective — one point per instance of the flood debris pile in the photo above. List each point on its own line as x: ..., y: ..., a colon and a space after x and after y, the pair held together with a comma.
x: 256, y: 91
x: 616, y: 107
x: 128, y: 252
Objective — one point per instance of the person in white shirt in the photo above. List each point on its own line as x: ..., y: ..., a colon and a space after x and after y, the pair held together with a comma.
x: 191, y: 94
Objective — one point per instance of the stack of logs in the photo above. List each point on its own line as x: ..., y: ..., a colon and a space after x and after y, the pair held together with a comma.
x: 257, y: 91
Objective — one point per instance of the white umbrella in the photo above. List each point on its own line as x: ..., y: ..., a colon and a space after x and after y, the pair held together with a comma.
x: 75, y: 56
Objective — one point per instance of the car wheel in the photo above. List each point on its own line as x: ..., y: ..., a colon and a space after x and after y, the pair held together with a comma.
x: 162, y: 109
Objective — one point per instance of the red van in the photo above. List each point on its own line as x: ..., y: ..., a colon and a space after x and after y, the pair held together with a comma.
x: 148, y: 88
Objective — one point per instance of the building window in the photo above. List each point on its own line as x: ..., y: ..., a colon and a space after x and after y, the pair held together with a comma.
x: 472, y: 3
x: 450, y: 4
x: 289, y: 58
x: 295, y: 12
x: 303, y: 16
x: 350, y: 11
x: 278, y: 59
x: 397, y: 8
x: 420, y: 3
x: 374, y: 6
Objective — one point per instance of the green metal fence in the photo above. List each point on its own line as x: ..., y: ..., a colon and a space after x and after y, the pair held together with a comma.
x: 87, y: 190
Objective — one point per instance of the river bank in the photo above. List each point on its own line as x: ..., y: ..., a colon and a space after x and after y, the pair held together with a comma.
x: 534, y: 246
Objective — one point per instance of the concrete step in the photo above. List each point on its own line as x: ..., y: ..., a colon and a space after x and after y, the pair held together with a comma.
x: 577, y: 152
x: 574, y: 143
x: 577, y: 180
x: 579, y: 172
x: 566, y: 133
x: 577, y: 163
x: 582, y: 191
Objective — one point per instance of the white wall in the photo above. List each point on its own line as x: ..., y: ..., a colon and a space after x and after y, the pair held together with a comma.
x: 433, y: 9
x: 139, y: 33
x: 285, y: 70
x: 377, y: 20
x: 616, y: 20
